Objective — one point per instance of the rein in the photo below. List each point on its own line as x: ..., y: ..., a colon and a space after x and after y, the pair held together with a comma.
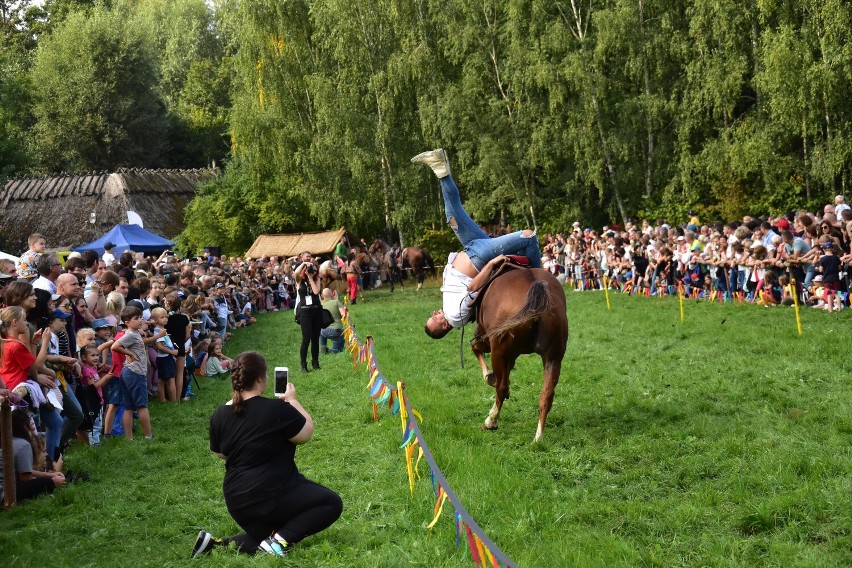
x: 461, y: 347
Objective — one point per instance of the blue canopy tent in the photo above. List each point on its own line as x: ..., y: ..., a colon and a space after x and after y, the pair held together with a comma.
x: 128, y: 237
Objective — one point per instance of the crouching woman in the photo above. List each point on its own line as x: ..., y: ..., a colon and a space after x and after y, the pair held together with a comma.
x: 264, y: 492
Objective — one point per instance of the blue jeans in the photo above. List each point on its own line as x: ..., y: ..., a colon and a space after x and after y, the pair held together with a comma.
x: 736, y: 283
x: 207, y: 324
x: 72, y: 416
x: 476, y: 242
x: 336, y: 337
x: 52, y: 422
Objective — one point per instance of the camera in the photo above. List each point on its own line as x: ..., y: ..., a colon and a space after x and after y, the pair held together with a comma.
x: 312, y: 269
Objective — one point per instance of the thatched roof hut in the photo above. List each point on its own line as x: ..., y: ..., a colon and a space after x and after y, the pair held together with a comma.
x: 318, y: 243
x: 62, y: 207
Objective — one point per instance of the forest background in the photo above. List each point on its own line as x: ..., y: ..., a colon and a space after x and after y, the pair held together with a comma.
x: 552, y: 110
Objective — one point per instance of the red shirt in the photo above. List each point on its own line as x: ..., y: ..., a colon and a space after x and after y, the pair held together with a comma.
x: 117, y: 358
x: 17, y: 360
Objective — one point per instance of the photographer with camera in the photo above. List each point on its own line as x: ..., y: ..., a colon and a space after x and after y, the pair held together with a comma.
x: 308, y: 308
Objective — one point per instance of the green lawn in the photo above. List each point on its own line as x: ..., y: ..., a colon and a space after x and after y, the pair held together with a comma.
x: 724, y: 441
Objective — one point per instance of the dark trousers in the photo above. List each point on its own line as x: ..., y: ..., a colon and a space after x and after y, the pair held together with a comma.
x: 308, y: 509
x: 33, y: 488
x: 311, y: 322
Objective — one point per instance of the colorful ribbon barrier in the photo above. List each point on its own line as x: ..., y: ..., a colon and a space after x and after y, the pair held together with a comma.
x: 384, y: 393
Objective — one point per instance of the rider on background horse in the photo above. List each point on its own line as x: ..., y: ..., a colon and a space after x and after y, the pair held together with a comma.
x: 468, y: 270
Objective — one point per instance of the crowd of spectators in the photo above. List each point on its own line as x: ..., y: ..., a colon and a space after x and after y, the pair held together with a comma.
x: 86, y: 343
x: 762, y: 260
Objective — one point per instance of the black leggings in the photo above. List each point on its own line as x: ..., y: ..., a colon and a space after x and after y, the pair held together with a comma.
x: 308, y: 509
x: 311, y: 322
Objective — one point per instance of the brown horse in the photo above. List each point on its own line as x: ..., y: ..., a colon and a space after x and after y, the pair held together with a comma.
x: 418, y: 261
x: 388, y: 265
x: 521, y: 312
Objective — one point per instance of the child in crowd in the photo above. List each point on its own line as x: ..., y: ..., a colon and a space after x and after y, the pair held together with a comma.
x: 829, y: 266
x: 94, y: 382
x: 180, y: 329
x: 166, y: 353
x: 114, y: 305
x: 135, y: 370
x: 85, y: 338
x: 201, y: 353
x: 112, y: 394
x: 27, y: 264
x: 222, y: 311
x: 217, y: 363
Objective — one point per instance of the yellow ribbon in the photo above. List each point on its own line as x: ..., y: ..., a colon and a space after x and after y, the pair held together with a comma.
x: 439, y: 507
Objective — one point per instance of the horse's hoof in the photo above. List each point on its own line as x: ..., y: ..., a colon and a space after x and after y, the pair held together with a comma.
x: 487, y: 426
x: 490, y: 380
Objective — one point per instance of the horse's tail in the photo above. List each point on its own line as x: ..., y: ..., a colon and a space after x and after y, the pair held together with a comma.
x: 538, y: 302
x: 429, y: 263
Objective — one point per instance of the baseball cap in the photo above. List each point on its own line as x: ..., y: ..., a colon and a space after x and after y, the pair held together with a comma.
x: 101, y: 323
x: 59, y: 314
x: 783, y: 224
x: 109, y: 245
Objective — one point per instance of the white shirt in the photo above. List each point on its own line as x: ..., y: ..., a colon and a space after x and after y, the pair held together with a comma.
x: 108, y: 258
x: 455, y: 291
x: 43, y: 283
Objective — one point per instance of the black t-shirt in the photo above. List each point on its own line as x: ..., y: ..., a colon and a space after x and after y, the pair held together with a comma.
x: 260, y: 456
x: 305, y: 291
x: 176, y: 328
x: 641, y: 265
x: 830, y: 264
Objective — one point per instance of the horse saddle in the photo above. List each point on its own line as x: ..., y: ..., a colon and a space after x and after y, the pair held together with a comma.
x: 512, y: 262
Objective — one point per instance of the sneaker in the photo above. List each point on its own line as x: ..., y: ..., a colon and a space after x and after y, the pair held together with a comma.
x: 273, y: 547
x: 204, y: 543
x: 435, y: 159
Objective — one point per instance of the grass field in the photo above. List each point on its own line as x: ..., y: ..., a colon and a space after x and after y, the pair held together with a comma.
x: 723, y: 441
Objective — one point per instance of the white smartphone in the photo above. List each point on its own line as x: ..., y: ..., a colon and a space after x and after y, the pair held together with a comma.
x: 282, y: 375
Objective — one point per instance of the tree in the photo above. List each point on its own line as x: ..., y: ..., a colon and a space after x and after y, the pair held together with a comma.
x: 94, y: 81
x: 15, y: 118
x: 193, y: 79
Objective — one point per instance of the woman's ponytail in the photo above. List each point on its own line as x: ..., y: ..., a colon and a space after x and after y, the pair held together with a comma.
x: 248, y: 368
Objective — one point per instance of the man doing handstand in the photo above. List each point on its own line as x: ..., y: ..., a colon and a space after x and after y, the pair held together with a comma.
x: 468, y: 270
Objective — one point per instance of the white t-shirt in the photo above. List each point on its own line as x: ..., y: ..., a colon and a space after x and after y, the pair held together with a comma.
x: 455, y: 291
x: 108, y: 258
x: 46, y: 284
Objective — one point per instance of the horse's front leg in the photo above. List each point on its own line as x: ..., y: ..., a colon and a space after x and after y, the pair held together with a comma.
x: 478, y: 351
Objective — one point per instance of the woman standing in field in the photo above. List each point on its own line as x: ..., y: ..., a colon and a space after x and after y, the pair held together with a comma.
x: 264, y: 492
x: 309, y: 309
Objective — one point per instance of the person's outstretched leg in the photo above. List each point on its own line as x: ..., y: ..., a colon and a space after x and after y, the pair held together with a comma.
x: 461, y: 223
x: 525, y: 243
